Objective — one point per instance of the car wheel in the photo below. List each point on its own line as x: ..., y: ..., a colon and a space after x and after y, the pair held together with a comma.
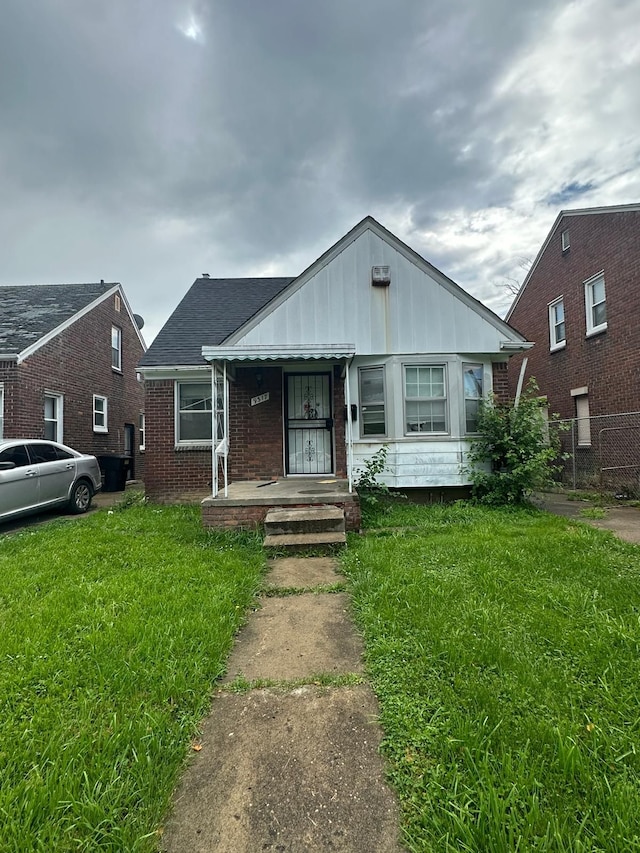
x: 80, y: 499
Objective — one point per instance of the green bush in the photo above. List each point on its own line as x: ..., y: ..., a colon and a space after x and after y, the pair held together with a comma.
x: 518, y: 447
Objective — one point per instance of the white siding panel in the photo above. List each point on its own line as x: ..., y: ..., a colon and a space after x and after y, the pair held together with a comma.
x: 415, y: 314
x: 424, y: 464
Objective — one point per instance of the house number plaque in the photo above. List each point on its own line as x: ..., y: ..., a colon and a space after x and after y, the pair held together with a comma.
x: 262, y: 398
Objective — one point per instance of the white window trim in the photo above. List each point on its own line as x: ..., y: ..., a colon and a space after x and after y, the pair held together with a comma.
x: 97, y: 427
x: 589, y: 305
x: 1, y: 409
x: 198, y: 442
x: 142, y: 430
x: 373, y: 436
x: 118, y: 366
x: 565, y: 242
x: 447, y: 417
x: 59, y: 420
x: 553, y: 345
x: 583, y: 421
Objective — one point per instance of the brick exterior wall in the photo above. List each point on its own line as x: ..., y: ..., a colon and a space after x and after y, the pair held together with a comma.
x: 256, y: 436
x: 501, y: 391
x: 251, y: 516
x: 77, y: 364
x: 608, y: 364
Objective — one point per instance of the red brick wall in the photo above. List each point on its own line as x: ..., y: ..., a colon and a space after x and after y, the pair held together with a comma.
x: 607, y: 363
x: 256, y: 436
x: 77, y: 364
x: 501, y: 381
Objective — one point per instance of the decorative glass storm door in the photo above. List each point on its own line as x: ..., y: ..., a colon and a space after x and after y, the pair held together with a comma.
x: 309, y: 424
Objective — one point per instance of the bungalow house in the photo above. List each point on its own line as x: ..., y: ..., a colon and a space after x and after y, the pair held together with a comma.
x: 68, y: 356
x: 308, y: 377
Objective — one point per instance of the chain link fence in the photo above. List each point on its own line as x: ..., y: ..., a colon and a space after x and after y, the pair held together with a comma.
x: 602, y: 452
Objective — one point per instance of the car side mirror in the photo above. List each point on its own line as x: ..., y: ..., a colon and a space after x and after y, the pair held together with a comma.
x: 7, y: 466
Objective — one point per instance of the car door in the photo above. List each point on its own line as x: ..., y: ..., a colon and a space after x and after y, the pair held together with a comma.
x: 18, y: 484
x: 57, y: 471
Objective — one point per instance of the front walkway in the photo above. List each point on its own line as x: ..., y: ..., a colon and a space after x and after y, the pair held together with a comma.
x: 291, y: 765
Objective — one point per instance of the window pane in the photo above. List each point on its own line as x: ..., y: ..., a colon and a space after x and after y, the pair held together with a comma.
x: 426, y: 416
x: 373, y: 420
x: 18, y: 455
x: 560, y: 333
x: 195, y: 426
x: 600, y: 314
x: 195, y: 397
x: 473, y: 381
x: 50, y: 408
x: 558, y: 310
x: 371, y: 386
x: 50, y: 430
x: 43, y: 453
x: 598, y: 290
x: 471, y: 408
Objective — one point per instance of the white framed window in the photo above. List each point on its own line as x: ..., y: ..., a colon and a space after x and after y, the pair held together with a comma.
x: 141, y: 429
x: 116, y: 348
x: 53, y: 409
x: 425, y: 398
x: 564, y: 240
x: 557, y: 325
x: 595, y: 303
x: 99, y: 413
x: 473, y: 381
x: 583, y: 420
x: 372, y: 401
x: 116, y: 303
x: 193, y: 408
x: 1, y: 410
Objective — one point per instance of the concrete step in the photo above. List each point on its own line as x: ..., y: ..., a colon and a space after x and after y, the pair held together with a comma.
x: 311, y: 519
x: 302, y: 541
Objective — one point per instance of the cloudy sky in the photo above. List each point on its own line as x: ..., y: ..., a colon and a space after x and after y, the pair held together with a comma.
x: 148, y: 141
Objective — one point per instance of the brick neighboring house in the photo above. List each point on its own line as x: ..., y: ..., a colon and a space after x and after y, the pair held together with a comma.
x: 370, y: 346
x: 68, y: 356
x: 580, y: 304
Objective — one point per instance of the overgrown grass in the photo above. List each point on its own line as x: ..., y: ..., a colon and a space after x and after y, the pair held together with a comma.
x: 113, y: 630
x: 504, y: 646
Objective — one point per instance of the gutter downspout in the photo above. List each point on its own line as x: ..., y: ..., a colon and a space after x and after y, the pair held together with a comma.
x: 214, y: 431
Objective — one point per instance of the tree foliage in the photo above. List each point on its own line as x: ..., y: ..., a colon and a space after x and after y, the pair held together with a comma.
x: 516, y: 452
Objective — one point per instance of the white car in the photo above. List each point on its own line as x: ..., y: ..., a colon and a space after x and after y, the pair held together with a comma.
x: 38, y: 475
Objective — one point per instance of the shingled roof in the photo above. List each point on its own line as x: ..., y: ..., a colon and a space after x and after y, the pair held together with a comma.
x: 211, y: 310
x: 28, y: 312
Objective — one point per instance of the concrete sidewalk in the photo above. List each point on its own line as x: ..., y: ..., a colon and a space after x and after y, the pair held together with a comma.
x: 622, y: 520
x: 293, y: 767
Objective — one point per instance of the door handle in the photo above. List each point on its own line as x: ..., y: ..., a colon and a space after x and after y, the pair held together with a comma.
x: 328, y: 423
x: 30, y: 473
x: 69, y: 467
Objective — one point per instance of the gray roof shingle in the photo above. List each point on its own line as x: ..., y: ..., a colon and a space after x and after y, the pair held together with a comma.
x: 30, y: 311
x: 210, y: 311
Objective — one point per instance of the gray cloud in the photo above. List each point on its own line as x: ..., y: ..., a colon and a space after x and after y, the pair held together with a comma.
x: 151, y: 141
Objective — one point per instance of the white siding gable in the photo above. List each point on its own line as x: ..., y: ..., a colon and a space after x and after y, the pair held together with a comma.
x: 420, y: 312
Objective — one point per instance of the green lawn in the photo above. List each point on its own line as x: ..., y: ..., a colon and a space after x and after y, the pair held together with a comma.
x: 113, y: 629
x: 504, y: 647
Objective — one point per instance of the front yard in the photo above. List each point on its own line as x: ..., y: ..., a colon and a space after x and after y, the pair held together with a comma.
x: 504, y: 648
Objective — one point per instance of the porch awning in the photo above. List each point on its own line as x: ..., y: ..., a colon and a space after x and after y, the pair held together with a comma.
x: 279, y: 352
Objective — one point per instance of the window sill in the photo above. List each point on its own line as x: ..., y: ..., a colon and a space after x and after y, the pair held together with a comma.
x: 101, y: 430
x: 116, y: 369
x: 558, y: 347
x: 597, y: 331
x: 179, y: 448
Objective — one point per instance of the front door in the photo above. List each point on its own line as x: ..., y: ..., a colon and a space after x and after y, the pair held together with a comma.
x: 309, y: 423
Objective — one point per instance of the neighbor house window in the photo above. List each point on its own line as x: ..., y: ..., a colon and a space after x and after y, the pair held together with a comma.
x: 194, y: 412
x: 564, y: 238
x: 372, y: 408
x: 141, y: 426
x: 425, y: 398
x: 557, y: 328
x: 473, y: 375
x: 116, y: 348
x: 53, y: 417
x: 1, y: 410
x: 595, y: 304
x: 583, y: 420
x: 99, y: 413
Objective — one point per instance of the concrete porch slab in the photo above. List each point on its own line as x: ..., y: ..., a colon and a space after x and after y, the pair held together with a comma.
x: 284, y: 492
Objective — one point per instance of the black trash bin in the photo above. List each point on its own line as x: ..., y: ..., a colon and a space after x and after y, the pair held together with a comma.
x: 115, y: 468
